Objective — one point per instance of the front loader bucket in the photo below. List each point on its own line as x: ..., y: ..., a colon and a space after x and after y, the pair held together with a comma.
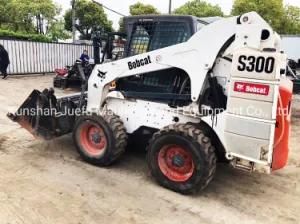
x: 30, y: 116
x: 39, y: 115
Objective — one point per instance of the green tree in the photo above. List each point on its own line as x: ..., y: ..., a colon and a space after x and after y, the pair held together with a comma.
x: 121, y: 25
x: 16, y: 16
x: 31, y: 20
x: 68, y: 20
x: 284, y: 19
x: 5, y: 6
x: 138, y: 9
x: 89, y: 15
x: 57, y: 31
x: 27, y: 15
x: 142, y: 9
x: 290, y: 23
x: 44, y: 12
x: 271, y: 10
x: 199, y: 8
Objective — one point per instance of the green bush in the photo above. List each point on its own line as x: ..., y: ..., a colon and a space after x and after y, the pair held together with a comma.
x: 23, y: 36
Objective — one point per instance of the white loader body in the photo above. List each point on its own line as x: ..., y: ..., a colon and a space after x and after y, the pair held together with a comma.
x: 247, y: 137
x: 222, y: 95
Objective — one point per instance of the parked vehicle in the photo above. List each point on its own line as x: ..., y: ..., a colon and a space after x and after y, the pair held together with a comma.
x: 70, y: 77
x: 294, y: 75
x: 232, y: 69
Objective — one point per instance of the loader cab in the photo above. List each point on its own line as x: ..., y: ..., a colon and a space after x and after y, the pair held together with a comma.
x: 148, y: 33
x: 152, y: 32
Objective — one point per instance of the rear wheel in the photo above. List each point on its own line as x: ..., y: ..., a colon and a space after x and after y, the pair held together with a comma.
x: 100, y: 140
x: 181, y: 158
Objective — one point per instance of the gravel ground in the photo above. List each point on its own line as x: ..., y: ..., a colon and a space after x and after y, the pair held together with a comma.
x: 46, y: 182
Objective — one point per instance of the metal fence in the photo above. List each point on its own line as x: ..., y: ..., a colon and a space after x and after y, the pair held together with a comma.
x: 28, y: 57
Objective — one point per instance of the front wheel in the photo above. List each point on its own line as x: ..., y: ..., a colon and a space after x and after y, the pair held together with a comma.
x: 100, y: 140
x: 181, y: 158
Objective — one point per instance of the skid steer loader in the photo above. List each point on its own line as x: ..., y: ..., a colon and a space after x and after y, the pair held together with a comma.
x: 221, y: 93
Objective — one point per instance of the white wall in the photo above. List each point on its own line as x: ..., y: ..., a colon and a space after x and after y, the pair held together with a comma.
x: 27, y: 57
x: 291, y: 45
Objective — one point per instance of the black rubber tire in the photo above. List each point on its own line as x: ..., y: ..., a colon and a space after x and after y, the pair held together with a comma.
x: 201, y: 149
x: 115, y: 133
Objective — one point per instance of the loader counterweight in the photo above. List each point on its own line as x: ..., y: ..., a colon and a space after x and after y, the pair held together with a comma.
x: 283, y: 125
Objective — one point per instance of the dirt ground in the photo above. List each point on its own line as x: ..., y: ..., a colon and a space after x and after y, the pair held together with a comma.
x: 46, y: 182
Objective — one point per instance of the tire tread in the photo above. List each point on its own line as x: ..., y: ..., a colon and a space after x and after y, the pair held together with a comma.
x: 197, y: 136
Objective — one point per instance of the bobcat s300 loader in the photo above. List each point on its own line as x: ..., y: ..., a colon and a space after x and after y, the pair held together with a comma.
x: 222, y: 94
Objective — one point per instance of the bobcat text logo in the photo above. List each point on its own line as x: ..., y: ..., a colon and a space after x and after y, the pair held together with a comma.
x: 139, y: 63
x: 252, y: 88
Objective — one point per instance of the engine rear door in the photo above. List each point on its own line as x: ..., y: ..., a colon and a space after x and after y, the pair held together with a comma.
x: 252, y: 107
